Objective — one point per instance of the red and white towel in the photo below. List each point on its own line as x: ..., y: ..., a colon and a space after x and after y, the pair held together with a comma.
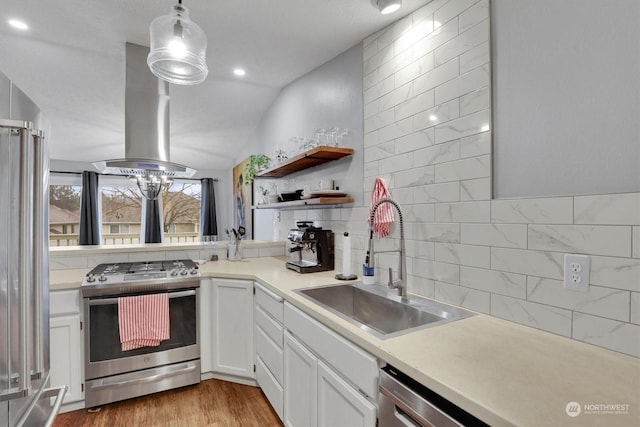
x: 143, y: 320
x: 384, y: 217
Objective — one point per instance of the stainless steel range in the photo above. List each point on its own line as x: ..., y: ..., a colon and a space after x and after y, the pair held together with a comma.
x: 112, y: 374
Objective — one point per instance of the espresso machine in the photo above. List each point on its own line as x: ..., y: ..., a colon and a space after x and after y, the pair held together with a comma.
x: 311, y: 249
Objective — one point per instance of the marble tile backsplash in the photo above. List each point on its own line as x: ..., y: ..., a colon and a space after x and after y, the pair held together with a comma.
x: 427, y: 132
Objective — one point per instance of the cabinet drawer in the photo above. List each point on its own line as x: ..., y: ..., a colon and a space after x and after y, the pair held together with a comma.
x: 270, y: 387
x: 272, y: 328
x: 270, y: 354
x: 352, y: 362
x: 64, y: 302
x: 270, y: 302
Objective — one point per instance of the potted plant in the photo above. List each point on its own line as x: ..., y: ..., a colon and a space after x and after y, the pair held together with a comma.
x: 257, y: 163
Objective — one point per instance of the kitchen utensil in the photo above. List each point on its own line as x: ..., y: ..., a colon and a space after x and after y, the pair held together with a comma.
x: 289, y: 196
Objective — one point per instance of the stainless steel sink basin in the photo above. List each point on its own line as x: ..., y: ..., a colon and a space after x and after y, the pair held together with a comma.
x: 380, y: 311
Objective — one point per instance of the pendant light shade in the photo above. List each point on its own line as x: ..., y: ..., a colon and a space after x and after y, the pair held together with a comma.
x: 178, y: 48
x: 388, y: 6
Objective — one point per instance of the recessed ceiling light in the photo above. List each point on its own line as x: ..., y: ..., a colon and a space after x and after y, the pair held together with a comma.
x: 239, y: 72
x: 18, y: 24
x: 388, y: 6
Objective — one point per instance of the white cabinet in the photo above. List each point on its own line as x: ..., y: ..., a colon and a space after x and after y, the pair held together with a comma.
x: 269, y: 346
x: 232, y: 322
x: 314, y: 393
x: 300, y: 387
x: 205, y: 325
x: 65, y: 340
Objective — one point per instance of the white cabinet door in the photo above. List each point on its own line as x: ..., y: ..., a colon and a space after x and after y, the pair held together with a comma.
x: 232, y: 312
x: 66, y: 352
x: 205, y: 323
x: 300, y: 392
x: 339, y: 404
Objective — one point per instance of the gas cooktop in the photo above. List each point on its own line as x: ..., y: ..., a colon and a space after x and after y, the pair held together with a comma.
x: 130, y: 276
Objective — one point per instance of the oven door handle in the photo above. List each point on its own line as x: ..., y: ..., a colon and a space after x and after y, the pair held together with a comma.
x: 104, y: 383
x: 110, y: 301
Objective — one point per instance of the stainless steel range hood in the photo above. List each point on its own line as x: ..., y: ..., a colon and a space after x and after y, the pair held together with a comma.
x: 146, y: 128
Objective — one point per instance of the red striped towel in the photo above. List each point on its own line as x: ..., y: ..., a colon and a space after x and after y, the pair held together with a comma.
x: 143, y: 320
x: 384, y: 215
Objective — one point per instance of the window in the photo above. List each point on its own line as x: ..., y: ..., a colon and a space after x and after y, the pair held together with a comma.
x: 65, y: 192
x: 121, y: 211
x: 181, y: 212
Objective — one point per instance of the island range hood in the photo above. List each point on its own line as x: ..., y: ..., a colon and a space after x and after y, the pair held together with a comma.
x: 146, y: 129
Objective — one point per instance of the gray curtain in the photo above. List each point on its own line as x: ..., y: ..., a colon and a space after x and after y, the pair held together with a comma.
x: 208, y: 221
x: 153, y: 227
x: 89, y: 220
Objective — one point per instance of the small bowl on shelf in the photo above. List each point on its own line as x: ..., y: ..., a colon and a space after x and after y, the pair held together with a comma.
x: 290, y: 196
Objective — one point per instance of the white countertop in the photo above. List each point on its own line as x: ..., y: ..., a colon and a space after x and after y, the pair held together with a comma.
x: 501, y: 372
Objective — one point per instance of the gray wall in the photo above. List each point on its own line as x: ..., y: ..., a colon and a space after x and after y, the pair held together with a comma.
x: 575, y: 65
x: 329, y: 96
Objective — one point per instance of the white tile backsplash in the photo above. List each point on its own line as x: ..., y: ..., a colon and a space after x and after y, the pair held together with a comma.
x: 503, y: 257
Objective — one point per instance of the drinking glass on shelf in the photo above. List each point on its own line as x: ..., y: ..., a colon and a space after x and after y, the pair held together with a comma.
x: 335, y: 136
x: 320, y: 137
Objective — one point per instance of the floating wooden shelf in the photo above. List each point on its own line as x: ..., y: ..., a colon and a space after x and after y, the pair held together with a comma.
x: 324, y: 202
x: 308, y: 159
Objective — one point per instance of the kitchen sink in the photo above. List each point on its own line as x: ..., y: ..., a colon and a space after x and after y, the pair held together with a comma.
x: 380, y: 311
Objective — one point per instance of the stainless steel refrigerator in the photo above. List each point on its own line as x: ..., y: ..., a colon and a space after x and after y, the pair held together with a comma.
x: 25, y: 399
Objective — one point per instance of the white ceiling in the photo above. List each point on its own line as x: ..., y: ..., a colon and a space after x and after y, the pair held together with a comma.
x: 71, y: 63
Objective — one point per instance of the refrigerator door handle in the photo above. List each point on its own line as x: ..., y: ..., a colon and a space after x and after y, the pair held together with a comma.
x: 26, y: 257
x: 40, y: 245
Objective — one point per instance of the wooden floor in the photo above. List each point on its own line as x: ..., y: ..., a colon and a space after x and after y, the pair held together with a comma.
x: 210, y: 403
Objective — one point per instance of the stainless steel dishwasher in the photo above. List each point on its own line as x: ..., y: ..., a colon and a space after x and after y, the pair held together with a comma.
x: 404, y: 402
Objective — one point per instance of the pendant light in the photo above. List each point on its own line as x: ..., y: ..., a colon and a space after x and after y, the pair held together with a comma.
x: 178, y: 48
x: 388, y: 6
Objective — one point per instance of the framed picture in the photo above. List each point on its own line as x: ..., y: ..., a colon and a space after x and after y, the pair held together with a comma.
x: 242, y: 200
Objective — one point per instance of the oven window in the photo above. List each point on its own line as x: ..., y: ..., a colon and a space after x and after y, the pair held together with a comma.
x: 105, y: 334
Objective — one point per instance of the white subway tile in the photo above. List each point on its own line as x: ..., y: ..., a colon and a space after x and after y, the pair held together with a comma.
x: 474, y: 58
x: 459, y: 170
x: 447, y: 192
x: 636, y: 242
x: 379, y: 120
x: 396, y: 163
x: 464, y: 42
x: 452, y: 9
x: 397, y: 96
x: 93, y: 260
x: 463, y: 297
x: 370, y: 80
x: 635, y: 307
x: 272, y: 251
x: 531, y: 263
x: 613, y: 209
x: 384, y: 55
x: 475, y: 256
x: 475, y: 189
x: 438, y: 271
x: 370, y: 109
x: 437, y: 38
x: 552, y: 210
x: 396, y: 130
x: 414, y: 141
x: 474, y: 15
x: 396, y: 64
x: 594, y: 240
x: 620, y: 273
x: 379, y: 89
x: 427, y: 11
x: 437, y: 76
x: 420, y: 249
x: 369, y: 48
x: 439, y: 153
x: 463, y: 212
x: 422, y: 212
x: 618, y: 336
x: 64, y: 262
x: 147, y: 256
x: 406, y: 74
x: 471, y: 81
x: 463, y: 126
x: 415, y: 105
x: 401, y: 27
x: 605, y: 302
x: 502, y: 235
x: 475, y: 145
x: 413, y: 177
x: 412, y: 35
x: 475, y: 101
x: 381, y: 151
x: 539, y: 316
x: 435, y: 232
x: 436, y: 115
x: 421, y: 286
x: 370, y: 139
x: 497, y: 282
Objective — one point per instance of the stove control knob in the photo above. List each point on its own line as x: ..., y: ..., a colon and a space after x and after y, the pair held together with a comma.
x: 91, y: 278
x: 184, y: 272
x: 194, y: 271
x: 174, y: 272
x: 102, y: 278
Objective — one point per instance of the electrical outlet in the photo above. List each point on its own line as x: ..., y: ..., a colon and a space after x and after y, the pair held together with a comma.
x: 576, y: 272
